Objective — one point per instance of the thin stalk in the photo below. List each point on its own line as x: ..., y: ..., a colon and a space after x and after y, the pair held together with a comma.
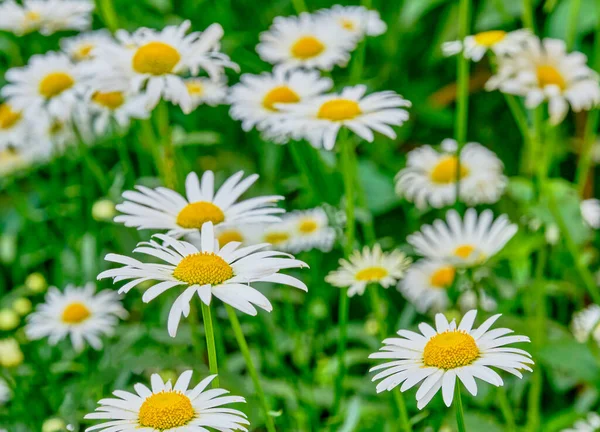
x: 241, y: 340
x: 462, y: 90
x: 506, y: 410
x: 108, y: 14
x: 164, y: 131
x: 460, y: 415
x: 150, y: 140
x: 299, y: 6
x: 210, y: 343
x: 572, y: 24
x: 527, y: 15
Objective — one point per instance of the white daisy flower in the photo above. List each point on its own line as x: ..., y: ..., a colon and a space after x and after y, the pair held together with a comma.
x: 16, y: 159
x: 278, y: 234
x: 356, y: 20
x: 436, y: 357
x: 320, y: 118
x: 225, y: 272
x: 590, y: 211
x: 47, y: 16
x: 16, y: 19
x: 227, y: 234
x: 586, y: 324
x: 464, y: 242
x: 50, y: 83
x: 157, y: 60
x: 80, y: 313
x: 83, y: 46
x: 166, y: 407
x: 499, y: 42
x: 371, y: 266
x: 310, y: 230
x: 255, y: 99
x: 426, y: 284
x: 590, y: 424
x: 205, y: 91
x: 544, y: 71
x: 14, y: 127
x: 162, y: 208
x: 430, y: 175
x: 5, y: 393
x: 306, y: 41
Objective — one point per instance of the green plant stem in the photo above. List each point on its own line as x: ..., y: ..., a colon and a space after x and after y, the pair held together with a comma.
x: 462, y: 90
x: 241, y: 340
x: 506, y: 409
x: 210, y: 343
x: 527, y: 15
x: 108, y: 14
x: 299, y: 6
x: 572, y: 24
x: 460, y: 415
x: 163, y: 127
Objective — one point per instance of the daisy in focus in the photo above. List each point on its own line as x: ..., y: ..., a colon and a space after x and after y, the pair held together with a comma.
x: 436, y: 357
x: 426, y: 285
x: 430, y: 176
x: 590, y: 211
x: 305, y: 41
x: 205, y: 91
x: 586, y: 324
x: 320, y: 119
x: 356, y: 20
x: 163, y: 208
x: 500, y: 42
x: 225, y: 272
x: 544, y: 71
x: 371, y: 266
x: 255, y: 100
x: 590, y: 424
x: 464, y: 242
x: 80, y: 313
x: 83, y: 46
x: 167, y: 407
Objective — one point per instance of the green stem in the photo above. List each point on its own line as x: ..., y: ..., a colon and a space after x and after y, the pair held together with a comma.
x: 164, y: 131
x: 123, y: 151
x: 299, y: 6
x: 460, y: 415
x: 210, y: 343
x: 108, y: 14
x: 462, y: 90
x: 572, y: 24
x: 506, y: 409
x: 241, y: 340
x: 528, y: 15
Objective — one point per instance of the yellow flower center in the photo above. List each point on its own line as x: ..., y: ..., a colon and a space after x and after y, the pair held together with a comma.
x: 464, y: 251
x: 203, y: 268
x: 450, y: 350
x: 281, y: 94
x: 277, y: 237
x: 8, y: 117
x: 83, y: 52
x: 111, y: 100
x: 347, y: 24
x: 32, y: 16
x: 194, y: 88
x: 489, y: 38
x: 155, y: 58
x: 339, y: 110
x: 194, y: 215
x: 75, y: 313
x: 549, y: 75
x: 443, y: 277
x: 307, y: 47
x: 166, y: 410
x: 371, y: 274
x: 308, y: 226
x: 55, y: 83
x: 229, y: 236
x: 446, y: 169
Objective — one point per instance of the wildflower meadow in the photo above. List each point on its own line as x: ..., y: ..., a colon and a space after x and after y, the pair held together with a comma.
x: 298, y: 215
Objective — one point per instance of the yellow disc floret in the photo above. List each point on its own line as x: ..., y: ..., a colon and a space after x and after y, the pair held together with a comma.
x: 8, y: 117
x: 450, y: 350
x: 75, y: 313
x: 195, y: 214
x: 489, y: 38
x: 281, y: 94
x: 371, y: 274
x: 203, y: 268
x: 111, y: 100
x: 55, y: 83
x: 549, y: 75
x: 464, y: 251
x: 307, y: 226
x: 166, y: 410
x: 155, y: 58
x: 339, y: 110
x: 445, y: 171
x: 277, y: 237
x: 443, y: 277
x: 230, y: 236
x: 307, y: 47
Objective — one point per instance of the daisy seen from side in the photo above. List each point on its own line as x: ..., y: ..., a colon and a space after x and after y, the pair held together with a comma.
x: 499, y: 42
x: 83, y: 46
x: 356, y: 20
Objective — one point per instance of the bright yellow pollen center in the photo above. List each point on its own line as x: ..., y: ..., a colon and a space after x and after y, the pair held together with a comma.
x: 489, y: 38
x: 166, y: 410
x: 307, y: 47
x: 32, y: 16
x: 549, y: 75
x: 8, y: 117
x: 308, y: 226
x: 443, y: 277
x: 281, y: 94
x: 111, y: 100
x: 339, y: 110
x: 155, y: 58
x: 55, y: 83
x: 276, y: 237
x: 464, y: 251
x: 194, y: 215
x: 347, y: 24
x: 203, y: 268
x: 83, y: 52
x: 230, y: 236
x: 75, y: 313
x: 370, y: 274
x: 194, y: 88
x: 445, y: 171
x: 450, y: 350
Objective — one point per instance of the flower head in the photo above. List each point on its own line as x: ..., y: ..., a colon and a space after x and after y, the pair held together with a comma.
x: 590, y: 424
x: 586, y: 324
x: 83, y: 47
x: 355, y: 20
x: 590, y: 211
x: 500, y: 42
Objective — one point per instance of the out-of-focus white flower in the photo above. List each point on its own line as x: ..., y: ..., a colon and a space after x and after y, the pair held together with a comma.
x: 83, y: 46
x: 590, y: 211
x: 356, y: 20
x: 586, y: 324
x: 499, y: 42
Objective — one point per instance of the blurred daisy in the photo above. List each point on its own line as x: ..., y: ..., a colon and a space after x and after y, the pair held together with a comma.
x: 499, y: 42
x: 50, y: 82
x: 544, y: 71
x: 310, y: 230
x: 163, y: 208
x: 464, y: 242
x: 355, y: 20
x: 10, y: 353
x: 590, y: 424
x: 157, y: 60
x: 240, y: 234
x: 83, y: 46
x: 205, y: 91
x: 278, y: 234
x: 5, y: 393
x: 16, y: 19
x: 256, y: 98
x: 590, y: 211
x: 14, y: 129
x: 209, y: 270
x: 426, y: 285
x: 372, y: 266
x: 305, y: 41
x: 436, y: 357
x: 79, y: 313
x: 16, y: 159
x: 47, y: 16
x: 430, y: 176
x: 586, y: 324
x: 167, y: 407
x: 320, y: 118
